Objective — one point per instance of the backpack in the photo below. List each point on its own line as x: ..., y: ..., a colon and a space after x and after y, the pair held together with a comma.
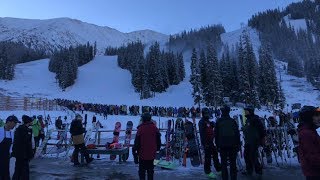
x: 228, y: 135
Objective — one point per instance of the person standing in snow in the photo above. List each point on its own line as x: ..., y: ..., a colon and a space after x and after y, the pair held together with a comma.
x: 227, y: 136
x: 22, y: 149
x: 254, y: 136
x: 77, y: 132
x: 207, y: 138
x: 36, y: 129
x: 6, y: 139
x: 309, y: 142
x: 146, y: 144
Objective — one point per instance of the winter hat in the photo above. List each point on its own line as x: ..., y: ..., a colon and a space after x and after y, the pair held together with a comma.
x: 205, y: 113
x: 12, y: 119
x: 78, y: 117
x: 225, y: 110
x: 250, y: 109
x: 26, y: 119
x: 146, y: 117
x: 306, y: 113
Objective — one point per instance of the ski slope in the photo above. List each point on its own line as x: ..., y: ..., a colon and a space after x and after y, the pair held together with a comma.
x: 297, y: 90
x: 100, y: 81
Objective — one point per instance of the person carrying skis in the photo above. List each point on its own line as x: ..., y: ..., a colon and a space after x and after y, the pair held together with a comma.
x: 146, y: 144
x: 77, y: 132
x: 309, y: 142
x: 254, y: 136
x: 22, y: 149
x: 6, y: 139
x: 227, y: 137
x: 207, y: 138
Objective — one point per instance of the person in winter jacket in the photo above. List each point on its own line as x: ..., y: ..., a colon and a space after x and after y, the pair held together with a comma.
x: 227, y: 137
x: 309, y: 142
x: 1, y: 123
x: 58, y: 123
x: 254, y: 136
x: 147, y: 143
x: 36, y: 128
x: 22, y: 149
x: 207, y: 138
x: 6, y: 139
x: 42, y: 126
x: 77, y: 132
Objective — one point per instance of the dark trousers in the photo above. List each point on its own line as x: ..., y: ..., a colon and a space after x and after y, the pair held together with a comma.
x: 229, y: 154
x: 312, y: 177
x: 80, y: 148
x: 146, y: 166
x: 211, y: 152
x: 21, y: 171
x: 251, y: 159
x: 4, y: 171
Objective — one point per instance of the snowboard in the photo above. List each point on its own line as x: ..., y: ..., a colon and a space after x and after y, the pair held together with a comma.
x: 197, y: 139
x: 167, y: 162
x: 178, y: 139
x: 193, y: 148
x: 43, y: 145
x: 127, y: 139
x: 115, y: 142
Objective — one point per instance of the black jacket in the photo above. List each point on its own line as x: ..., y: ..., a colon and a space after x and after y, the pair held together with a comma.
x: 254, y: 131
x: 58, y: 124
x: 22, y: 144
x: 76, y: 128
x: 227, y: 134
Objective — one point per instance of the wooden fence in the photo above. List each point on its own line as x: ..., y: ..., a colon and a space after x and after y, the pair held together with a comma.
x: 8, y: 103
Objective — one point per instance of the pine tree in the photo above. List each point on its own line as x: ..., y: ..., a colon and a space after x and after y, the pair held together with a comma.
x: 268, y: 85
x: 203, y: 75
x: 213, y: 95
x: 195, y: 78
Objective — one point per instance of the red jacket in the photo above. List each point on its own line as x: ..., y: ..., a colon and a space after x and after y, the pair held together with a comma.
x: 309, y: 150
x: 147, y: 141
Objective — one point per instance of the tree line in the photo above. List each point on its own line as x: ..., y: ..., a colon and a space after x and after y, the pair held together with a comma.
x: 237, y: 75
x: 65, y: 62
x: 151, y: 73
x: 300, y: 49
x: 199, y: 38
x: 12, y: 53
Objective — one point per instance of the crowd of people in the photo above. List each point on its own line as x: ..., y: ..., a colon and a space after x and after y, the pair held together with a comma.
x: 220, y: 140
x: 134, y: 110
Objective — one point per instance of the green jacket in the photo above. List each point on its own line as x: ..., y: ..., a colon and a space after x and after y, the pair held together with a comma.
x: 36, y: 127
x: 1, y: 123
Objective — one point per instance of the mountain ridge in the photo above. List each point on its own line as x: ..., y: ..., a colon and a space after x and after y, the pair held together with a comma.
x: 63, y: 32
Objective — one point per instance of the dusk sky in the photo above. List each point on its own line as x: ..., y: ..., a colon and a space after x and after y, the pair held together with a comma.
x: 166, y: 16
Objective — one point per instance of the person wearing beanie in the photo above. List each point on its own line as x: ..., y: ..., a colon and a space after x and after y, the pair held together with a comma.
x: 6, y: 139
x: 146, y: 145
x: 22, y: 149
x: 77, y: 133
x: 227, y: 137
x: 206, y: 129
x: 254, y: 135
x: 309, y: 142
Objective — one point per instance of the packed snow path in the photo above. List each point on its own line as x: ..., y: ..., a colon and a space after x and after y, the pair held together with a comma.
x: 104, y: 169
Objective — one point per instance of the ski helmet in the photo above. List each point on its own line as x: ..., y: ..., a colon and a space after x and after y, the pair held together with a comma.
x: 250, y: 109
x: 205, y: 113
x: 146, y: 117
x: 306, y: 113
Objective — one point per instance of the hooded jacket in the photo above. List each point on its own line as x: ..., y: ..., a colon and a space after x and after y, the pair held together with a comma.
x: 309, y: 149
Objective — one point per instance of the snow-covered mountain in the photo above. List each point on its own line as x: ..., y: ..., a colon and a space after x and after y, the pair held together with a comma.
x: 63, y: 32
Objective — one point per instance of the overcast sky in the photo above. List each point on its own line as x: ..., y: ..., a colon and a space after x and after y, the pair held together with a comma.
x: 166, y: 16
